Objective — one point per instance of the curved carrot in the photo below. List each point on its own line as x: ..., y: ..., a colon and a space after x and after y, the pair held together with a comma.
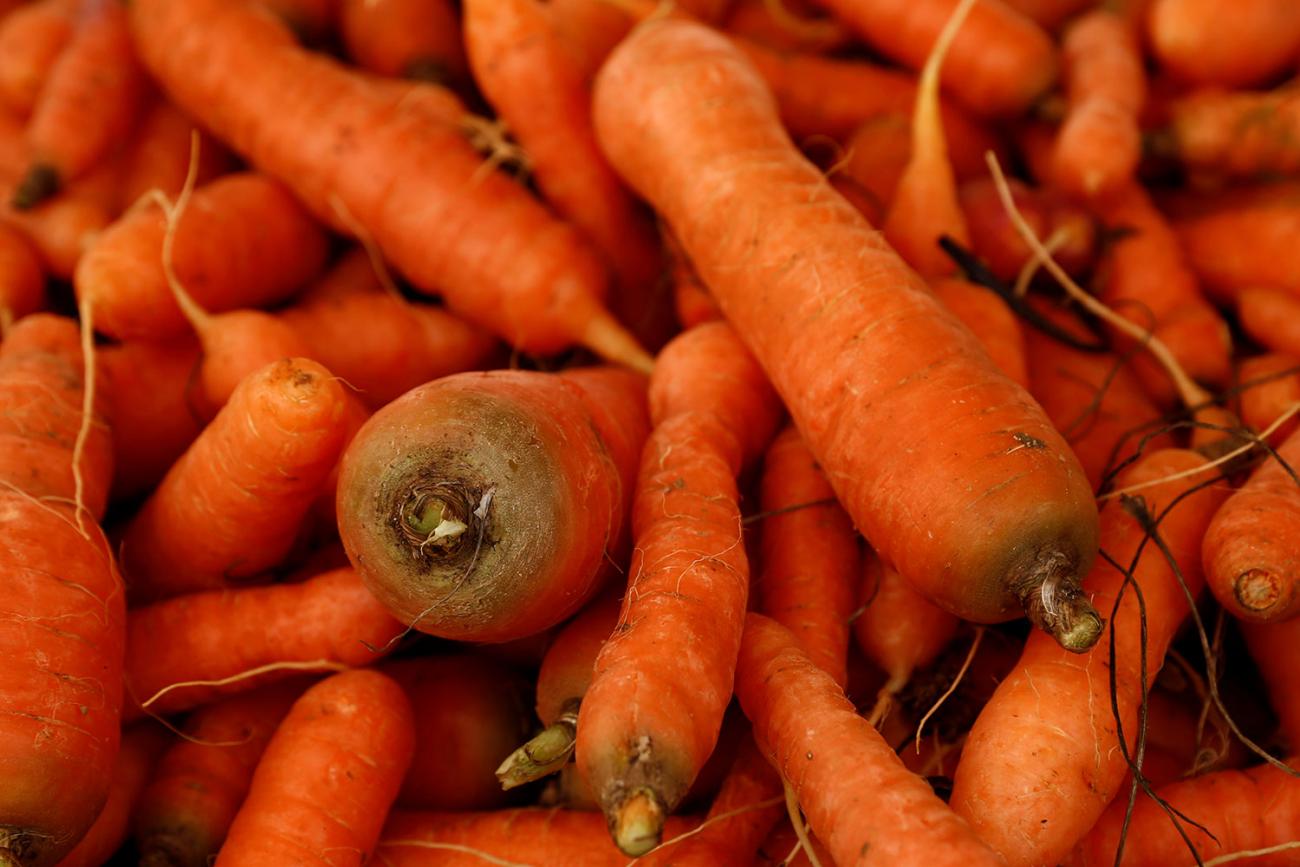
x: 415, y: 187
x: 228, y: 508
x: 60, y: 229
x: 691, y: 300
x: 1270, y: 385
x: 1068, y: 227
x: 328, y: 776
x: 418, y: 39
x: 159, y: 153
x: 481, y: 506
x: 990, y: 319
x: 1205, y: 42
x: 1029, y: 757
x: 22, y: 280
x: 329, y: 620
x: 649, y: 720
x: 1272, y: 647
x: 785, y: 26
x: 853, y: 341
x: 31, y: 39
x: 1271, y: 317
x: 859, y: 799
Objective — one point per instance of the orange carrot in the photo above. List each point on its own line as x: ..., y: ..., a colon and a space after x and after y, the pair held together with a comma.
x: 22, y: 280
x: 328, y: 776
x: 1272, y: 647
x: 990, y: 319
x: 158, y: 155
x: 1270, y: 384
x: 481, y: 506
x: 1099, y: 145
x: 31, y: 39
x: 1048, y: 14
x: 1271, y: 317
x: 590, y: 29
x: 310, y: 21
x: 1027, y: 759
x: 228, y: 508
x: 691, y: 300
x: 783, y: 847
x: 241, y: 241
x: 59, y: 229
x: 859, y: 799
x: 1067, y: 227
x: 650, y: 719
x: 783, y: 25
x: 810, y: 554
x: 999, y: 63
x: 418, y: 39
x: 1206, y: 42
x: 853, y: 341
x: 1239, y: 133
x: 469, y: 710
x: 415, y: 187
x: 87, y: 105
x: 329, y: 620
x: 61, y: 628
x: 876, y: 155
x: 185, y: 811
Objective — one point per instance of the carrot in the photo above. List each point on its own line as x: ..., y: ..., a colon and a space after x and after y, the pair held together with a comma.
x: 807, y: 253
x: 87, y: 105
x: 990, y: 319
x: 1205, y: 42
x: 1048, y: 14
x: 158, y: 155
x: 1270, y: 384
x: 330, y: 621
x: 241, y: 241
x: 469, y: 710
x: 270, y: 450
x: 532, y: 835
x: 185, y: 811
x: 650, y: 719
x: 1271, y: 317
x: 562, y: 681
x: 310, y: 21
x: 60, y: 229
x: 998, y: 65
x: 875, y: 156
x: 1099, y: 144
x: 140, y: 748
x: 418, y: 39
x: 328, y: 776
x: 784, y: 848
x: 62, y: 619
x: 1242, y: 810
x: 481, y: 506
x: 31, y: 39
x: 22, y: 280
x: 1272, y: 647
x: 785, y: 26
x: 859, y: 799
x: 1240, y: 133
x: 590, y: 29
x: 415, y: 187
x: 810, y: 554
x: 1066, y: 227
x: 1027, y: 759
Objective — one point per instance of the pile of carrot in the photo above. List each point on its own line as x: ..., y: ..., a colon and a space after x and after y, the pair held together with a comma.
x: 657, y: 432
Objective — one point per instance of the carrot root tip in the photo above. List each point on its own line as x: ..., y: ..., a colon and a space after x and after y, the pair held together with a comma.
x: 160, y: 851
x: 1257, y: 590
x: 638, y: 823
x: 40, y: 183
x: 545, y: 754
x: 14, y: 846
x: 1055, y: 603
x: 611, y: 341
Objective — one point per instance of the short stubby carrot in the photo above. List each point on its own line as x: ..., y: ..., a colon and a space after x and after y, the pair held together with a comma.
x: 482, y: 506
x: 1207, y: 42
x: 1269, y: 387
x: 31, y: 40
x: 1046, y: 746
x: 416, y: 187
x: 62, y: 624
x: 228, y: 508
x: 323, y: 788
x: 242, y: 241
x: 853, y: 341
x: 1270, y: 317
x: 651, y: 717
x: 245, y: 638
x: 418, y: 39
x: 990, y: 319
x: 22, y: 279
x: 859, y: 799
x: 1067, y: 227
x: 1272, y: 647
x: 186, y: 809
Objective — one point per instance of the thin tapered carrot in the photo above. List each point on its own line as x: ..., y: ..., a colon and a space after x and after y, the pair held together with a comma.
x: 62, y: 624
x: 1205, y: 42
x: 1241, y: 133
x: 158, y: 155
x: 1271, y: 317
x: 859, y: 799
x: 474, y: 236
x: 1272, y: 647
x: 1068, y: 228
x: 786, y: 26
x: 1270, y: 384
x: 249, y: 637
x: 482, y: 506
x: 990, y: 319
x: 650, y: 719
x: 241, y: 241
x: 87, y: 105
x: 327, y: 778
x: 999, y: 64
x: 469, y: 710
x: 22, y: 280
x: 827, y: 308
x: 228, y: 508
x: 1099, y: 144
x: 418, y: 39
x: 192, y: 797
x: 1237, y: 811
x: 1027, y: 759
x: 31, y: 39
x: 810, y: 558
x: 60, y: 229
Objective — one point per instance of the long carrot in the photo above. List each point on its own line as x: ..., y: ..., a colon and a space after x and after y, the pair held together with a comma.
x: 786, y: 26
x: 418, y: 39
x: 1206, y: 42
x: 1270, y: 384
x: 859, y: 799
x: 1240, y: 133
x: 990, y: 319
x: 415, y: 187
x: 651, y: 718
x: 31, y: 39
x: 1027, y: 759
x: 328, y: 776
x: 853, y: 341
x: 481, y: 506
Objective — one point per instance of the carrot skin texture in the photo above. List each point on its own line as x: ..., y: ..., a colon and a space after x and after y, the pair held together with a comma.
x: 22, y: 280
x: 60, y: 229
x: 243, y: 241
x: 158, y: 155
x: 1271, y: 317
x: 779, y: 306
x: 859, y: 799
x: 1244, y: 240
x: 1061, y: 760
x: 569, y: 663
x: 62, y: 624
x: 331, y: 617
x: 1204, y: 42
x: 412, y: 38
x: 1271, y: 384
x: 897, y: 628
x: 1237, y: 133
x: 31, y: 39
x: 990, y: 319
x: 328, y: 776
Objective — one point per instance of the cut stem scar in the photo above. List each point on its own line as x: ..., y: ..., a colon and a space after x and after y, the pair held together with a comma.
x: 546, y: 753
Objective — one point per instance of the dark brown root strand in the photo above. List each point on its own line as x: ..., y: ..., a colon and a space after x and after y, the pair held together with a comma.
x: 40, y: 183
